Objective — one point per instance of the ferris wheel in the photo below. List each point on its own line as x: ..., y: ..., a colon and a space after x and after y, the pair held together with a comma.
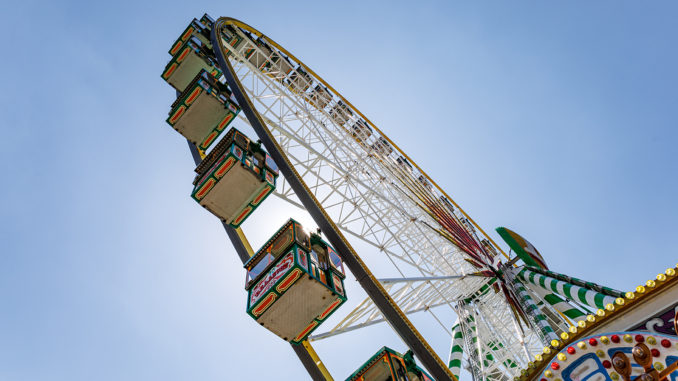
x: 371, y: 190
x: 359, y: 186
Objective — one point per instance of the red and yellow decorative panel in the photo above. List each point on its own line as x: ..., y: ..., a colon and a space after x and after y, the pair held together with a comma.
x: 264, y: 304
x: 306, y: 331
x: 205, y: 189
x: 225, y: 167
x: 329, y: 309
x: 288, y: 281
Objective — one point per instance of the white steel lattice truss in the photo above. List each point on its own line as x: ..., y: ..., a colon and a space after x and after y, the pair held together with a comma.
x: 360, y: 181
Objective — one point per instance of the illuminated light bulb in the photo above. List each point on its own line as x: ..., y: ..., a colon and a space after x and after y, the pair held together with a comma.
x: 548, y: 374
x: 555, y: 343
x: 571, y: 350
x: 661, y: 277
x: 562, y: 357
x: 590, y: 318
x: 600, y: 312
x: 650, y: 283
x: 640, y: 289
x: 630, y: 295
x: 555, y: 366
x: 581, y: 345
x: 609, y: 307
x: 605, y: 340
x: 547, y: 350
x: 564, y: 336
x: 620, y: 301
x: 581, y: 324
x: 538, y: 357
x: 670, y: 272
x: 573, y: 329
x: 628, y: 338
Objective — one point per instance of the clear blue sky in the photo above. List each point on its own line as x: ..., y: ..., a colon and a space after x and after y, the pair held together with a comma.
x: 558, y: 120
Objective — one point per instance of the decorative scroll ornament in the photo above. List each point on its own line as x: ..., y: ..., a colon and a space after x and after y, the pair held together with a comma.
x: 643, y: 357
x: 662, y: 323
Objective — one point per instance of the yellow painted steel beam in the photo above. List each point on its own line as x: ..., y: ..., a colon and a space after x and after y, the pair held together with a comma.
x: 244, y: 241
x: 316, y: 359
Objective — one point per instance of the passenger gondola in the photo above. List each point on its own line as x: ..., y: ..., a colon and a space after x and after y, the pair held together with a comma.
x: 340, y: 113
x: 404, y: 164
x: 231, y: 37
x: 320, y: 97
x: 234, y: 178
x: 192, y: 57
x: 382, y: 147
x: 194, y: 29
x: 423, y: 181
x: 389, y: 365
x: 299, y: 80
x: 360, y: 130
x: 203, y: 110
x: 261, y: 55
x: 207, y: 20
x: 281, y: 67
x: 294, y: 283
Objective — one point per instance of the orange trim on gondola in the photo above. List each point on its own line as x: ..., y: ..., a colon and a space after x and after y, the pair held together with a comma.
x: 175, y: 48
x: 224, y: 122
x: 269, y: 178
x: 193, y: 95
x: 264, y: 304
x: 261, y: 195
x: 225, y: 167
x: 288, y: 281
x: 329, y: 309
x: 170, y: 71
x: 205, y: 188
x: 183, y: 54
x: 242, y: 215
x: 210, y: 138
x: 177, y: 114
x: 306, y: 331
x: 188, y: 33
